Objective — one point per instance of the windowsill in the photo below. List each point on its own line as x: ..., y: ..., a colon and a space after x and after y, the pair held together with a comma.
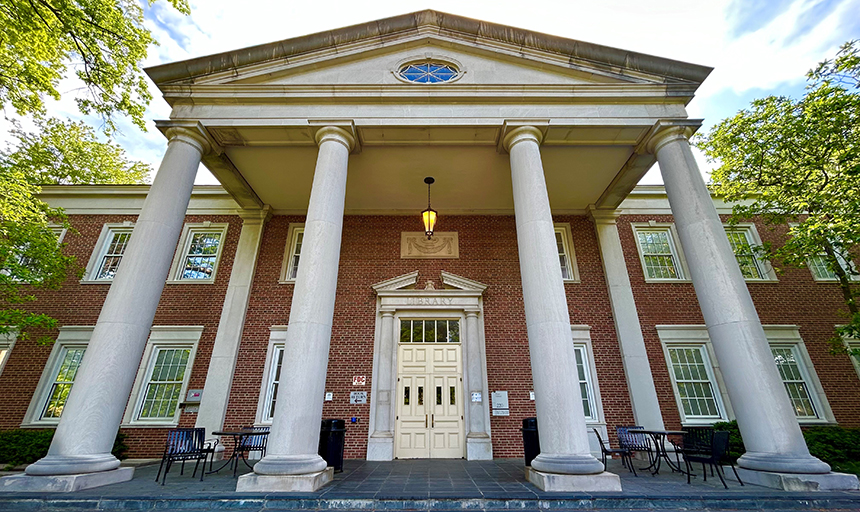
x: 40, y: 424
x: 659, y: 281
x: 814, y: 422
x: 762, y: 281
x: 94, y: 281
x: 289, y: 281
x: 833, y: 281
x: 571, y: 281
x: 701, y: 423
x: 191, y: 281
x: 170, y: 424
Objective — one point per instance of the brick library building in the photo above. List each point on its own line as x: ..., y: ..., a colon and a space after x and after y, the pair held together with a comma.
x: 430, y: 227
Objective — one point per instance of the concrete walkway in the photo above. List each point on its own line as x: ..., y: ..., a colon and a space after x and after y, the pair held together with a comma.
x: 430, y: 485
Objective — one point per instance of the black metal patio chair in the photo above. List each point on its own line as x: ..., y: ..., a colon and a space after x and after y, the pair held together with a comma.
x: 626, y: 460
x: 696, y: 441
x: 184, y: 444
x: 635, y: 442
x: 714, y: 456
x: 255, y: 441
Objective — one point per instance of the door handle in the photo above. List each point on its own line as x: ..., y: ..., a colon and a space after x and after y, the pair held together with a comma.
x: 432, y: 421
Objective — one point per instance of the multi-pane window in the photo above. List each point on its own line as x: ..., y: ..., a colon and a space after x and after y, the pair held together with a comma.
x: 586, y: 389
x: 116, y: 243
x: 294, y: 252
x: 274, y: 379
x: 742, y: 246
x: 163, y: 390
x: 795, y: 384
x: 564, y: 258
x: 691, y: 371
x: 821, y: 270
x: 201, y: 254
x: 62, y: 380
x: 429, y: 331
x: 659, y: 257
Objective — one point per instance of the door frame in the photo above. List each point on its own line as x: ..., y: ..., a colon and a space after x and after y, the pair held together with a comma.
x: 401, y: 297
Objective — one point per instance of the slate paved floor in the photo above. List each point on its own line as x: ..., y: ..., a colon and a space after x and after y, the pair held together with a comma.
x: 432, y: 485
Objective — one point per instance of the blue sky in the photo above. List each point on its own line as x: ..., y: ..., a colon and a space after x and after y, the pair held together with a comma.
x: 756, y: 47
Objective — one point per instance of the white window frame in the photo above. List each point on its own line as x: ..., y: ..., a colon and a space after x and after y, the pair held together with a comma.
x: 287, y: 265
x: 850, y: 343
x: 569, y: 251
x: 161, y: 337
x: 91, y: 274
x: 777, y: 336
x: 277, y: 341
x: 581, y: 336
x: 70, y: 336
x: 188, y: 232
x: 7, y: 343
x: 766, y: 271
x: 843, y: 263
x: 677, y: 252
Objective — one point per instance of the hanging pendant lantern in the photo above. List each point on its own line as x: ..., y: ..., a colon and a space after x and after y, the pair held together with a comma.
x: 429, y: 215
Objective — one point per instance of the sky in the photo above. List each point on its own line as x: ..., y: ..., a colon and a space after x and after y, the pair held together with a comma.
x: 757, y: 48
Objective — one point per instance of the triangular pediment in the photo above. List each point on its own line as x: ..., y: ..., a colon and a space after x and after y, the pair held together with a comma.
x: 408, y: 281
x: 369, y: 53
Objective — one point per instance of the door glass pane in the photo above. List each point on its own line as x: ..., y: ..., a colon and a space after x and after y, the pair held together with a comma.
x: 420, y: 395
x: 429, y: 331
x: 453, y: 396
x: 438, y: 395
x: 406, y: 395
x: 454, y: 331
x: 441, y: 331
x: 405, y: 331
x: 417, y: 332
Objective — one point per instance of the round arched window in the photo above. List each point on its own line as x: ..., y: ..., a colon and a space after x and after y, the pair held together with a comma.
x: 428, y: 72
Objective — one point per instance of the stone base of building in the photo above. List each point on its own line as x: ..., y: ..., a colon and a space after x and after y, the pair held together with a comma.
x: 253, y: 482
x: 65, y: 483
x: 380, y: 448
x: 799, y: 481
x: 556, y: 482
x: 479, y: 448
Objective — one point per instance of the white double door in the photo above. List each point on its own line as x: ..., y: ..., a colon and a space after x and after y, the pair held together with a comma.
x: 429, y: 420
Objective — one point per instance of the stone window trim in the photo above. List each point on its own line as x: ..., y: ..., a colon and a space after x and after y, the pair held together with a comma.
x: 767, y: 272
x: 581, y: 335
x: 7, y: 343
x: 100, y: 249
x: 188, y: 232
x: 277, y: 341
x: 288, y: 266
x: 424, y: 59
x: 817, y: 277
x: 563, y: 228
x: 70, y: 337
x: 851, y: 343
x: 161, y: 337
x: 777, y: 336
x: 677, y: 251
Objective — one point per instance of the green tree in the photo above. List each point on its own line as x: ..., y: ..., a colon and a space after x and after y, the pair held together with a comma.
x: 31, y: 257
x: 797, y: 162
x: 103, y: 41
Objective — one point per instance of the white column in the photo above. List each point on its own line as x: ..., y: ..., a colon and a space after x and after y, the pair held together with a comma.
x: 637, y: 369
x: 478, y: 445
x: 771, y: 434
x: 293, y: 442
x: 561, y: 422
x: 381, y: 443
x: 225, y: 350
x: 91, y: 417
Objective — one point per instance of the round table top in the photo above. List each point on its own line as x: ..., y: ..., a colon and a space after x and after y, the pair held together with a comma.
x: 660, y: 432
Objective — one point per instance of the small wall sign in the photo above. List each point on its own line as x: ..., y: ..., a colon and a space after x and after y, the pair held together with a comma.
x: 531, y: 395
x: 194, y: 395
x: 500, y: 399
x: 329, y: 396
x: 358, y: 397
x: 476, y: 396
x: 501, y: 412
x: 359, y: 380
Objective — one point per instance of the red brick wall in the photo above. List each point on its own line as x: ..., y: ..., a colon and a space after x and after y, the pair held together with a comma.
x: 796, y: 299
x: 79, y: 304
x: 370, y: 254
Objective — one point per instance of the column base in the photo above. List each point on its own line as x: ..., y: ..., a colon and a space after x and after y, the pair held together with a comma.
x: 567, y: 464
x: 310, y: 482
x: 554, y: 482
x: 276, y: 465
x: 51, y: 465
x: 782, y: 463
x: 380, y: 447
x: 64, y: 483
x: 479, y: 447
x: 799, y: 481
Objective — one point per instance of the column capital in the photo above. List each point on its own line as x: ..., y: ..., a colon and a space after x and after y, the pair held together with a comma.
x: 386, y: 313
x: 520, y: 134
x: 190, y: 132
x: 472, y: 313
x: 665, y: 135
x: 256, y: 216
x: 602, y: 216
x: 335, y: 133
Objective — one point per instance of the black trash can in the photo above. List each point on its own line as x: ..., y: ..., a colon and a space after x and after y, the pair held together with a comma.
x: 332, y: 435
x: 531, y: 441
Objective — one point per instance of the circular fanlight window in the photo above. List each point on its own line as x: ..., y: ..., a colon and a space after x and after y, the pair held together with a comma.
x: 428, y: 72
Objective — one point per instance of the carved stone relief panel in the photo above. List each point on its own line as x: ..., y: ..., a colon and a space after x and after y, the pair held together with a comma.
x: 414, y: 245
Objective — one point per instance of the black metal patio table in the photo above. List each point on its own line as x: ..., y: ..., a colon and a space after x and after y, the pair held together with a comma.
x: 237, y: 436
x: 659, y: 437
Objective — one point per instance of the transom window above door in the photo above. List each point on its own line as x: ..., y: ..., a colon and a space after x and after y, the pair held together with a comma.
x: 429, y: 331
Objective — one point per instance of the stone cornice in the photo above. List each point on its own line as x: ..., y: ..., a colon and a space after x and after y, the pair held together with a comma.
x: 573, y: 54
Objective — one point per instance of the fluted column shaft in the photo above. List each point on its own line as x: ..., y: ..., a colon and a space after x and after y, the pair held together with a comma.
x: 94, y: 410
x: 294, y: 438
x: 382, y: 425
x: 772, y: 436
x: 563, y: 438
x: 475, y: 376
